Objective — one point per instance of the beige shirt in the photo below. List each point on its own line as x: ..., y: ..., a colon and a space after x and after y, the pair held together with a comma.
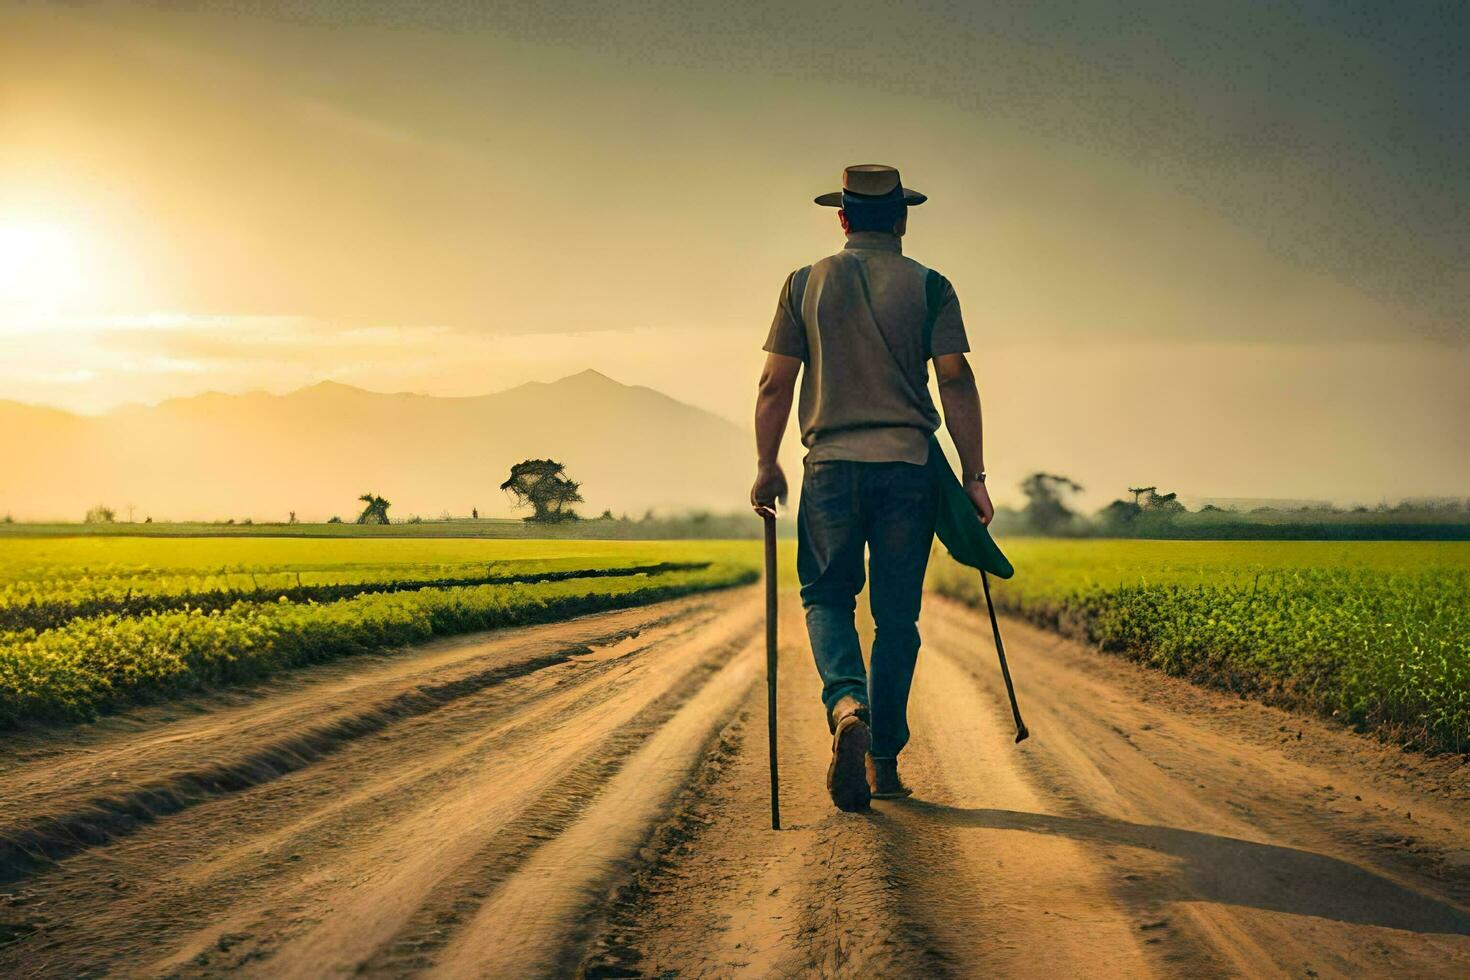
x: 854, y: 403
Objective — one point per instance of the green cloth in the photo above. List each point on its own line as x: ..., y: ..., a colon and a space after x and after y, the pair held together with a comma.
x: 958, y: 525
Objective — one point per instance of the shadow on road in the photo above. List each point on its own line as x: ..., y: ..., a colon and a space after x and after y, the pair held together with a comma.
x: 1239, y: 872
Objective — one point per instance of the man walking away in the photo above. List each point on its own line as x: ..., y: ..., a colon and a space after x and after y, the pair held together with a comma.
x: 864, y: 324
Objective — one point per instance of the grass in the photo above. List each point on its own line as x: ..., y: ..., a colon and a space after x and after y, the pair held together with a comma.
x: 1375, y: 633
x: 160, y: 617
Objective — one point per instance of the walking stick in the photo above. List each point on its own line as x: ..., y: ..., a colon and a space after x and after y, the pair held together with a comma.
x: 1005, y: 671
x: 769, y: 515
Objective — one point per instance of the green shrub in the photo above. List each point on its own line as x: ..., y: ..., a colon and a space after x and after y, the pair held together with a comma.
x: 95, y: 663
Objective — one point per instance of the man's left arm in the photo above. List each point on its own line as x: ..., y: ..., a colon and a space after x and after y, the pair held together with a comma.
x: 961, y: 399
x: 772, y: 411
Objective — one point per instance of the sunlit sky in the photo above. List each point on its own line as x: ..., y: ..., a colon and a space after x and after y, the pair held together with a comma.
x: 1225, y: 250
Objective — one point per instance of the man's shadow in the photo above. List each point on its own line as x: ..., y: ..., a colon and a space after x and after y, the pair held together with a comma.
x: 1238, y: 872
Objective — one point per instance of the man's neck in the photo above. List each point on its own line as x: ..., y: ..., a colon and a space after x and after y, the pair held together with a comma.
x: 885, y: 241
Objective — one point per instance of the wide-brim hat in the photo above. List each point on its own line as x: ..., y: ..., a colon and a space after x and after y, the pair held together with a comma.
x: 871, y: 181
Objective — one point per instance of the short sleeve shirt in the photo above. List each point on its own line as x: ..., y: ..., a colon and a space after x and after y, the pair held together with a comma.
x: 856, y: 321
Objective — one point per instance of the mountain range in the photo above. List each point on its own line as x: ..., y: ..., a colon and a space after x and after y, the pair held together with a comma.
x: 314, y: 451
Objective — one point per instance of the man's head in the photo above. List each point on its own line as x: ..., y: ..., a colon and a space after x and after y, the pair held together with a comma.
x: 885, y: 215
x: 872, y: 198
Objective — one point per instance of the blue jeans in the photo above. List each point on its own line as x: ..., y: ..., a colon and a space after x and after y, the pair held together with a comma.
x: 888, y: 507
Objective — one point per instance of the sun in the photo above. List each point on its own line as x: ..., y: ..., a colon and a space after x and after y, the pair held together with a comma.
x: 41, y: 269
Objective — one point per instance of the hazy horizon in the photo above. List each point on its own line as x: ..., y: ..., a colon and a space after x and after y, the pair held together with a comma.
x: 1222, y: 250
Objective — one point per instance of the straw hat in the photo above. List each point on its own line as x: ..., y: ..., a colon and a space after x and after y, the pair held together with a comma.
x: 872, y: 181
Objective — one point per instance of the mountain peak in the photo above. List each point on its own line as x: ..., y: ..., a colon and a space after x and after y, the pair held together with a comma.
x: 329, y: 386
x: 589, y: 376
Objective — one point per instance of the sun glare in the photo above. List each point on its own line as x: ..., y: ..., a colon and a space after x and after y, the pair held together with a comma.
x: 41, y: 270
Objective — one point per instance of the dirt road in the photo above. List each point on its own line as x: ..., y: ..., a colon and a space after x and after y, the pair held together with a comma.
x: 589, y: 797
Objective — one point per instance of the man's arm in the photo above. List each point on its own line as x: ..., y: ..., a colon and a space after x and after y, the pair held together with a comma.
x: 961, y: 401
x: 772, y: 410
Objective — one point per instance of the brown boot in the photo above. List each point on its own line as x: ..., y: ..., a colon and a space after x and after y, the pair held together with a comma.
x: 883, y: 781
x: 846, y: 778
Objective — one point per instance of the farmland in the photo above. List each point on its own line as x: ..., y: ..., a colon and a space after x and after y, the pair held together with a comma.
x: 1374, y: 633
x: 596, y: 773
x: 91, y: 624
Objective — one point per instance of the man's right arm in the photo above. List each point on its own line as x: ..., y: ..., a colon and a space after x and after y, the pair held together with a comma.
x: 961, y: 401
x: 785, y: 352
x: 772, y: 409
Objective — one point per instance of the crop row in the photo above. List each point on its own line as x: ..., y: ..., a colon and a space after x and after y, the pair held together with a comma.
x: 92, y: 664
x: 46, y: 604
x: 1387, y: 650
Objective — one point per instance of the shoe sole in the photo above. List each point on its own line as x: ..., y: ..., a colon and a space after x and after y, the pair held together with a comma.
x: 902, y: 794
x: 847, y: 776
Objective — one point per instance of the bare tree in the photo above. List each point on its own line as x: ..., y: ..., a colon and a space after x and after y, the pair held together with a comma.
x: 544, y: 485
x: 376, y: 511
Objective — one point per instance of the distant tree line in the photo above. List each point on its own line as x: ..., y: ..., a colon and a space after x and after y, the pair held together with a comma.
x: 545, y: 486
x: 1148, y: 512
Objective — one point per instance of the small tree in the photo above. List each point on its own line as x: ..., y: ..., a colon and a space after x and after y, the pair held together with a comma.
x: 1162, y: 503
x: 101, y: 514
x: 292, y: 518
x: 544, y: 485
x: 1046, y: 509
x: 334, y: 519
x: 376, y: 511
x: 474, y: 513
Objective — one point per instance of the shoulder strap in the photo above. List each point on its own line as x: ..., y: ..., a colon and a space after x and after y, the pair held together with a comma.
x: 798, y: 293
x: 933, y: 296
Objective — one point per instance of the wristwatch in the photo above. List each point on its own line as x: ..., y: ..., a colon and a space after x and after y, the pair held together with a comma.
x: 977, y: 476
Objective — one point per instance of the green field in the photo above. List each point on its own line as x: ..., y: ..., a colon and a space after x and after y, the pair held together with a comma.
x: 1375, y: 633
x: 95, y: 623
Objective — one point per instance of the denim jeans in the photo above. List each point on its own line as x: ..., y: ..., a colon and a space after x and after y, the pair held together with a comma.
x: 887, y: 507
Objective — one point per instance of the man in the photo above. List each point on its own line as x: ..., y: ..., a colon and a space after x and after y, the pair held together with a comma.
x: 864, y: 324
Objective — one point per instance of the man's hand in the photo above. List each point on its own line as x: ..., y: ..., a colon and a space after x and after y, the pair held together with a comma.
x: 980, y: 497
x: 770, y: 486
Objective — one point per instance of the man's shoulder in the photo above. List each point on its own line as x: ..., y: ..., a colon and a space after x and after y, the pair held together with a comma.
x: 923, y: 269
x: 928, y: 270
x: 898, y: 259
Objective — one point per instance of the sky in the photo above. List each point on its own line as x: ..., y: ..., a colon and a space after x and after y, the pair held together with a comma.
x: 1222, y: 248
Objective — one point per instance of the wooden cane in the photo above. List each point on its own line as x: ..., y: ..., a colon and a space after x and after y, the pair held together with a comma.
x: 770, y: 520
x: 1005, y: 671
